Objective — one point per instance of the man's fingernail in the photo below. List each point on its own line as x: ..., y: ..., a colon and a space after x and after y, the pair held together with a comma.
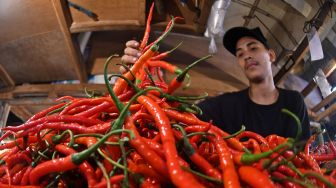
x: 136, y: 44
x: 134, y: 59
x: 138, y: 54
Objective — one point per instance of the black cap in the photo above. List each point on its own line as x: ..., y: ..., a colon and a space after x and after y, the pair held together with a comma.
x: 232, y: 36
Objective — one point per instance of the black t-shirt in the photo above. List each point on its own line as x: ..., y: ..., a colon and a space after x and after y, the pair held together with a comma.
x: 230, y: 111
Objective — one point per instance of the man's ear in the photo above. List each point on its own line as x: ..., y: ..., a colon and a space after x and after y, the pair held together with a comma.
x: 272, y: 55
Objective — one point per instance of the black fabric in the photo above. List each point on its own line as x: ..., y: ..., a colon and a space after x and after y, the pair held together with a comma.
x: 232, y: 36
x: 232, y: 110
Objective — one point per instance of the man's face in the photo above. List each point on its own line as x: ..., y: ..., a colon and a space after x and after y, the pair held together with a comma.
x: 254, y: 59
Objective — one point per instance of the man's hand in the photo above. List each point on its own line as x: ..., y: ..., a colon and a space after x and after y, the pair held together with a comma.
x: 131, y: 52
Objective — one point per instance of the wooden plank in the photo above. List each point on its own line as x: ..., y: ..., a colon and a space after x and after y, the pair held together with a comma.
x: 21, y: 112
x: 4, y: 112
x: 327, y: 70
x: 324, y: 102
x: 118, y: 12
x: 5, y: 77
x: 39, y: 58
x: 22, y: 18
x: 328, y: 112
x: 64, y: 19
x: 44, y: 90
x: 104, y: 25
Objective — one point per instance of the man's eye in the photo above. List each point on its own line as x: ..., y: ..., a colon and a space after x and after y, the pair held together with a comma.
x: 253, y: 48
x: 239, y: 55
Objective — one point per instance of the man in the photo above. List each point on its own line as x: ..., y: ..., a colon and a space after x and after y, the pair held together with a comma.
x: 257, y: 107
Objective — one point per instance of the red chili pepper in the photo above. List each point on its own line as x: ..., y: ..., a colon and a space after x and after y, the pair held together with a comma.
x: 308, y: 143
x: 25, y: 178
x: 183, y: 117
x: 95, y: 109
x: 253, y: 177
x: 18, y: 157
x: 178, y: 176
x: 19, y: 141
x: 85, y: 167
x: 287, y: 171
x: 18, y: 186
x: 255, y: 145
x: 310, y: 162
x: 166, y: 66
x: 168, y: 27
x: 229, y: 173
x: 87, y: 101
x: 197, y: 159
x: 113, y: 180
x: 145, y: 170
x: 298, y: 162
x: 323, y: 157
x: 150, y: 182
x: 18, y: 176
x: 147, y: 31
x: 178, y: 80
x: 164, y: 54
x: 99, y: 128
x: 254, y: 135
x: 273, y: 140
x: 45, y: 112
x: 144, y: 150
x: 121, y: 84
x: 332, y: 146
x: 286, y: 183
x: 55, y: 165
x: 54, y: 118
x: 234, y: 142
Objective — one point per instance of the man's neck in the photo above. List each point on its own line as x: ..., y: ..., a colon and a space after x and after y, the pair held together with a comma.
x: 263, y: 93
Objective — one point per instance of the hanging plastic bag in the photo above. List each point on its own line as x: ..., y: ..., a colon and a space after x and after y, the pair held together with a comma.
x: 215, y: 26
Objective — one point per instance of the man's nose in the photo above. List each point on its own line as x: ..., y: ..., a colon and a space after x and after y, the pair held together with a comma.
x: 247, y: 57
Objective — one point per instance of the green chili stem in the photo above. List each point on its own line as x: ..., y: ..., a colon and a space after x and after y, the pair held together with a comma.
x: 54, y: 181
x: 136, y: 89
x: 236, y: 133
x: 40, y: 154
x: 56, y: 139
x: 122, y: 148
x: 298, y: 123
x: 116, y: 164
x: 79, y: 157
x: 53, y: 155
x: 90, y: 134
x: 118, y: 103
x: 186, y: 144
x: 202, y: 175
x: 103, y: 169
x: 58, y: 109
x: 127, y: 68
x: 251, y: 158
x: 181, y: 76
x: 150, y: 76
x: 119, y: 161
x: 320, y: 178
x: 297, y: 181
x: 199, y: 133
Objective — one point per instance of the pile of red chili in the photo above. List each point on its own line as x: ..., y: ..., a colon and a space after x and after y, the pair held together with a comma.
x: 139, y: 135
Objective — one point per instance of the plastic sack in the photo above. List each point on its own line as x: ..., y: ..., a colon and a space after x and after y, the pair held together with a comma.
x: 215, y: 25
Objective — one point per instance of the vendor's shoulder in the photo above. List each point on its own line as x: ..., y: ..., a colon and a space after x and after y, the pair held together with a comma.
x: 290, y: 92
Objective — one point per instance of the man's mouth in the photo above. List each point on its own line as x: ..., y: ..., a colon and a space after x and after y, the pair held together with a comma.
x: 250, y: 64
